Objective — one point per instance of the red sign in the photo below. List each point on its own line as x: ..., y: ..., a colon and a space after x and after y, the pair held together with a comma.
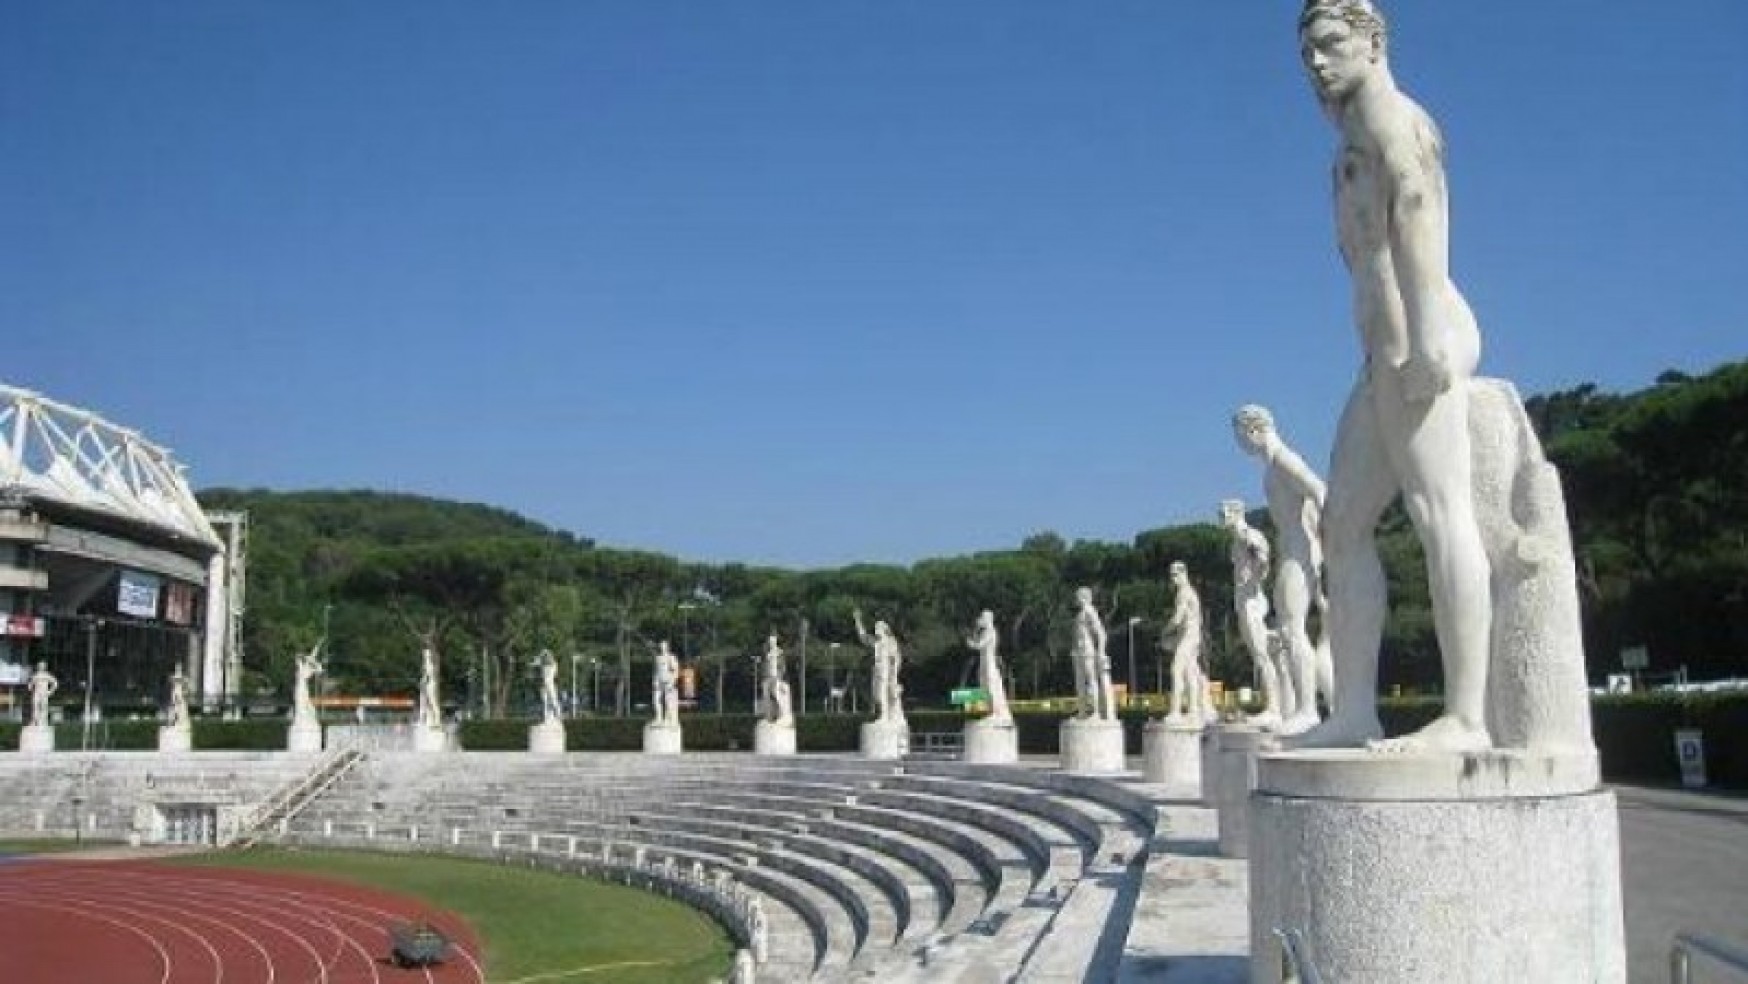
x: 178, y: 603
x: 22, y: 626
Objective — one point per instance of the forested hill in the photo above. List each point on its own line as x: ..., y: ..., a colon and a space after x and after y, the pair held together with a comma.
x: 1656, y: 482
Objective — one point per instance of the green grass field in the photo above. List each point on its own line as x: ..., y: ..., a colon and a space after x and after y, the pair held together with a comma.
x: 48, y: 845
x: 534, y: 925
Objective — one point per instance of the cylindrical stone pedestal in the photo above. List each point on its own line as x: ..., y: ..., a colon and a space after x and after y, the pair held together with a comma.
x: 884, y: 739
x: 175, y: 739
x: 1235, y: 777
x: 1493, y: 868
x: 303, y: 737
x: 546, y: 738
x: 990, y: 742
x: 661, y: 739
x: 772, y: 738
x: 36, y: 739
x: 429, y: 739
x: 1092, y: 746
x: 1171, y: 754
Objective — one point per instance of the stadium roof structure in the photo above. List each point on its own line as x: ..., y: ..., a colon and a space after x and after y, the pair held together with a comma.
x: 55, y: 454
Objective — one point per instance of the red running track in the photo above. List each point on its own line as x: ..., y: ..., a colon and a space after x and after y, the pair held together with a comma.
x: 140, y: 922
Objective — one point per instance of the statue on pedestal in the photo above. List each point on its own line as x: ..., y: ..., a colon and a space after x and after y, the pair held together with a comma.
x: 1483, y: 499
x: 986, y: 641
x: 1189, y: 685
x: 1092, y: 664
x: 1250, y: 570
x: 42, y: 686
x: 1295, y: 499
x: 888, y: 693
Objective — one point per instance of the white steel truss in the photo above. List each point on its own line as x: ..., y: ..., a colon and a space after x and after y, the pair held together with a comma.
x: 49, y: 450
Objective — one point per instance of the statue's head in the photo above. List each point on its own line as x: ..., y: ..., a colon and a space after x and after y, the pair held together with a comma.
x: 42, y: 667
x: 1179, y: 573
x: 1342, y: 42
x: 1232, y: 513
x: 881, y: 628
x: 986, y: 620
x: 1083, y: 596
x: 1253, y: 425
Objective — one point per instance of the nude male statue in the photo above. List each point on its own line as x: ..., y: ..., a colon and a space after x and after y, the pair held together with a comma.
x: 1295, y: 499
x: 177, y: 717
x: 773, y: 675
x: 42, y: 686
x: 430, y: 713
x: 665, y: 686
x: 1405, y: 428
x: 985, y: 640
x: 1250, y: 570
x: 309, y: 666
x: 1189, y: 685
x: 1092, y: 662
x: 550, y: 709
x: 888, y: 694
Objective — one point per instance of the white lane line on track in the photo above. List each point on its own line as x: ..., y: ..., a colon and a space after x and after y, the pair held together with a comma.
x: 161, y: 876
x: 163, y: 954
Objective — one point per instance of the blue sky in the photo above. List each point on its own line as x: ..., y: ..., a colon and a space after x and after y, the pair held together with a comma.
x: 814, y: 282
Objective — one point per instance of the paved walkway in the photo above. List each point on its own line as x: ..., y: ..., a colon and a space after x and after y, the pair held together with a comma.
x: 1684, y: 868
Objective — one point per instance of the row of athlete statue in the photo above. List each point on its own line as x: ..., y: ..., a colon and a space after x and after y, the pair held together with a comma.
x: 42, y: 685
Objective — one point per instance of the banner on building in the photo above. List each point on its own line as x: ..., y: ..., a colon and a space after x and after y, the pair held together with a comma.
x: 138, y: 594
x: 21, y: 627
x: 179, y: 603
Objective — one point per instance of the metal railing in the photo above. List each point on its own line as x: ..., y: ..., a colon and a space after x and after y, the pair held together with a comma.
x: 1690, y: 948
x: 1296, y: 966
x: 295, y: 795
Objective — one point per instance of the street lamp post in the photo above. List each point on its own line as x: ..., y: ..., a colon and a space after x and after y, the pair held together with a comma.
x: 803, y: 704
x: 575, y: 657
x: 595, y: 685
x: 831, y: 675
x: 1133, y: 621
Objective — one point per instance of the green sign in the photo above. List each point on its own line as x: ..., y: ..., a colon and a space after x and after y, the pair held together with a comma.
x: 968, y: 695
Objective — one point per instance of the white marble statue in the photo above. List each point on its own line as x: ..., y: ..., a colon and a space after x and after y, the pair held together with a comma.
x: 1190, y: 700
x: 774, y: 676
x: 888, y: 693
x: 1484, y: 501
x: 1092, y: 661
x: 665, y: 686
x: 1250, y: 571
x: 987, y: 642
x: 551, y: 709
x: 430, y: 713
x: 1295, y: 499
x: 309, y: 666
x: 42, y: 686
x: 177, y: 714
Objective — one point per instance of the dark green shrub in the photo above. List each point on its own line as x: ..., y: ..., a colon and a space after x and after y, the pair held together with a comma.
x: 257, y: 734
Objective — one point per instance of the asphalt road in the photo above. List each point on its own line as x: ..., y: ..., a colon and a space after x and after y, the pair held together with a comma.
x: 1684, y: 868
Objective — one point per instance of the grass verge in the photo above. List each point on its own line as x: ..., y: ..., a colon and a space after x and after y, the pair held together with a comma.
x: 534, y: 925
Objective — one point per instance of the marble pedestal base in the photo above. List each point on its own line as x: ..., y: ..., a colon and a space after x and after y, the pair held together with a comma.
x: 884, y: 739
x: 1091, y: 746
x: 1234, y: 777
x: 992, y: 742
x: 428, y: 739
x: 36, y: 739
x: 662, y: 739
x: 546, y: 738
x: 771, y: 738
x: 303, y: 737
x: 1456, y: 868
x: 1171, y: 754
x: 175, y: 739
